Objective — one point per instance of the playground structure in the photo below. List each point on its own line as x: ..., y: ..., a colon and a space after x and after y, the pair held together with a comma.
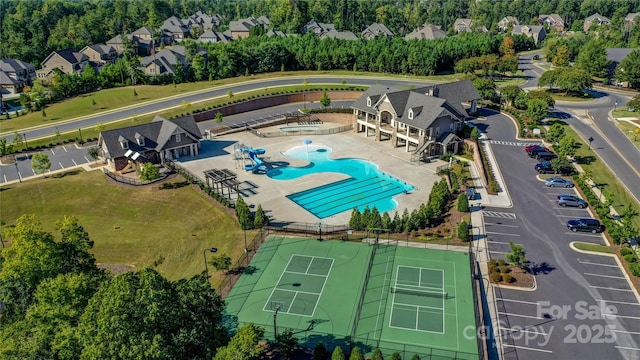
x: 256, y: 164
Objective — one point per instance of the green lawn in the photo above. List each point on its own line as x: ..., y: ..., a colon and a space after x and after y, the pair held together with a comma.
x: 567, y: 97
x: 592, y: 247
x: 130, y: 225
x: 622, y: 112
x: 629, y: 130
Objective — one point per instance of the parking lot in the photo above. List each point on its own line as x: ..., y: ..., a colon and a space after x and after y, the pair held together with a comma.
x: 582, y: 305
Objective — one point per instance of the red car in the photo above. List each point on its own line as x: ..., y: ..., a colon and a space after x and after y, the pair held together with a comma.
x: 533, y: 146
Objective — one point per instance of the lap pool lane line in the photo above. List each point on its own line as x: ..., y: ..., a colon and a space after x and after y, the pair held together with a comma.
x: 626, y: 351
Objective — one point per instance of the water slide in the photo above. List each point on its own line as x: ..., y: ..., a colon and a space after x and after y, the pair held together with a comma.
x: 253, y: 156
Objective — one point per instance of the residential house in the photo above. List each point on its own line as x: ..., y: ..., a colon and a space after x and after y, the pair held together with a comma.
x: 503, y: 24
x: 177, y: 29
x: 615, y: 56
x: 119, y: 43
x: 68, y: 61
x: 333, y: 34
x: 462, y: 25
x: 376, y: 29
x: 631, y: 20
x: 100, y: 54
x: 210, y: 36
x: 420, y: 119
x: 426, y: 32
x: 553, y: 21
x: 240, y: 29
x: 537, y: 32
x: 205, y: 22
x: 275, y: 32
x: 156, y: 142
x: 317, y: 28
x: 15, y: 75
x: 596, y: 19
x: 165, y: 62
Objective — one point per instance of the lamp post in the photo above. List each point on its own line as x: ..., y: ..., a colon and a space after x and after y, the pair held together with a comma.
x: 80, y: 131
x: 320, y: 231
x: 204, y: 253
x: 26, y: 143
x: 17, y: 172
x: 590, y: 139
x: 275, y: 325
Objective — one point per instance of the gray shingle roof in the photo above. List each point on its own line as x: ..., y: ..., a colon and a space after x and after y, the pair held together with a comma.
x: 15, y: 66
x: 156, y: 135
x: 344, y: 35
x: 376, y: 29
x: 5, y: 79
x: 455, y: 93
x: 426, y: 32
x: 617, y: 54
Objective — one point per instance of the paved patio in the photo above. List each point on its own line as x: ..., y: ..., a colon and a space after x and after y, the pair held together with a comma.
x: 271, y: 194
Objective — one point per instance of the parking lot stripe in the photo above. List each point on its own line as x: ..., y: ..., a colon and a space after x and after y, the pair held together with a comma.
x: 527, y: 348
x: 518, y: 301
x: 569, y: 216
x: 627, y: 348
x: 499, y: 233
x: 592, y: 263
x: 86, y: 159
x: 74, y: 162
x: 65, y: 149
x: 5, y: 177
x: 608, y: 288
x: 582, y: 234
x: 569, y: 208
x: 499, y: 242
x: 62, y: 167
x: 505, y: 225
x: 525, y: 331
x: 617, y: 302
x: 518, y: 315
x: 52, y: 151
x: 624, y: 332
x: 607, y: 276
x: 620, y: 316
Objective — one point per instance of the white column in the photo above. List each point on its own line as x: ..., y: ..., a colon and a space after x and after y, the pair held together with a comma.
x: 406, y: 145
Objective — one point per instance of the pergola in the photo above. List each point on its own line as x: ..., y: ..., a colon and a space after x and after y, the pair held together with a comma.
x: 219, y: 180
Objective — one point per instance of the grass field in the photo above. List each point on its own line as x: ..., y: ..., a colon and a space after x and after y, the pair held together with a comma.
x: 629, y: 129
x: 130, y: 225
x: 592, y: 247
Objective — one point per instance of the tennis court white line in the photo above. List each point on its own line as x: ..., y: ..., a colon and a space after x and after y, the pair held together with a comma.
x: 418, y: 306
x: 618, y: 302
x: 323, y: 285
x: 526, y: 348
x: 380, y: 305
x: 607, y: 276
x: 301, y: 273
x: 292, y: 301
x: 456, y: 307
x: 264, y: 308
x: 302, y: 292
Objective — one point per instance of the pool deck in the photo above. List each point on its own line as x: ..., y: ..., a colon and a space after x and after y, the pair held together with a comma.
x: 258, y: 189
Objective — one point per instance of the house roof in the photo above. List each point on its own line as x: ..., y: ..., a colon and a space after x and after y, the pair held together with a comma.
x: 344, y: 35
x: 466, y: 22
x: 15, y: 66
x: 426, y: 32
x: 69, y: 55
x: 454, y: 92
x: 168, y: 57
x: 617, y: 54
x: 5, y: 79
x: 243, y: 25
x: 264, y: 21
x: 145, y: 30
x: 376, y: 29
x: 101, y: 49
x: 510, y: 19
x: 317, y: 27
x: 176, y: 25
x: 213, y: 37
x: 274, y: 32
x: 631, y: 16
x: 598, y: 17
x: 552, y: 19
x: 156, y: 134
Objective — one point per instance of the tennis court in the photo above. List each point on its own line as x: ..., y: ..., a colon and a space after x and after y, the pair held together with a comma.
x: 410, y: 300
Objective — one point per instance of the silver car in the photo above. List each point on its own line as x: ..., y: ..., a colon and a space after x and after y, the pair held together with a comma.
x: 558, y: 182
x: 571, y: 200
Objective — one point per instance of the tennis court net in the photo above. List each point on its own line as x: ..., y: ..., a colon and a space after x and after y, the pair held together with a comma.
x: 435, y: 294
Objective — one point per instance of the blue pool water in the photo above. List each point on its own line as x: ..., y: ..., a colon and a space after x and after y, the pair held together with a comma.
x: 366, y: 185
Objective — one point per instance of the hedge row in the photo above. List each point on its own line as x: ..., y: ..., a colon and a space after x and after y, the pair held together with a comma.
x: 631, y: 257
x: 209, y: 191
x: 488, y: 174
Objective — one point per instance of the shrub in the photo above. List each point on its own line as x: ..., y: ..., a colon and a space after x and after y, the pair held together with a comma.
x: 630, y: 258
x: 635, y: 269
x: 463, y: 203
x: 495, y: 269
x: 463, y: 232
x: 492, y: 264
x: 625, y: 251
x: 504, y: 269
x: 495, y: 277
x: 508, y: 278
x: 501, y: 262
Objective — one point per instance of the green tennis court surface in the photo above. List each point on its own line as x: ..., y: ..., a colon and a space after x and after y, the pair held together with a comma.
x: 410, y: 300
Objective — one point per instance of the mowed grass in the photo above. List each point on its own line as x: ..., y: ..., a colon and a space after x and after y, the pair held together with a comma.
x: 139, y: 226
x: 592, y: 247
x: 629, y: 130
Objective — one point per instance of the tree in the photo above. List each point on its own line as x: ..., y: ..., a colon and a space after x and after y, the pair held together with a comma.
x: 320, y: 352
x: 507, y: 46
x: 219, y: 117
x: 463, y: 231
x: 149, y: 172
x: 415, y: 357
x: 229, y: 94
x: 549, y: 78
x: 475, y: 133
x: 517, y: 256
x: 40, y: 163
x: 94, y: 153
x: 44, y: 114
x: 356, y: 354
x: 5, y: 148
x: 244, y: 345
x: 509, y: 93
x: 220, y: 262
x: 377, y: 354
x: 324, y: 100
x: 245, y: 218
x: 634, y: 104
x: 287, y: 342
x: 74, y: 247
x: 567, y: 147
x: 356, y: 221
x: 337, y: 354
x: 629, y: 69
x: 593, y: 58
x: 555, y: 133
x: 486, y: 87
x: 395, y: 356
x: 537, y: 109
x: 93, y: 103
x: 463, y: 203
x: 135, y: 93
x: 574, y: 80
x: 562, y: 56
x: 99, y: 127
x: 260, y: 220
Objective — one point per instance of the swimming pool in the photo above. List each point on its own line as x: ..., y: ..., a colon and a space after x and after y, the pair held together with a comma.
x: 366, y: 185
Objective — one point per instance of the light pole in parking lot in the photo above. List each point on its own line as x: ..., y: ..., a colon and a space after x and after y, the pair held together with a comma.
x: 17, y: 172
x: 204, y: 253
x: 26, y: 143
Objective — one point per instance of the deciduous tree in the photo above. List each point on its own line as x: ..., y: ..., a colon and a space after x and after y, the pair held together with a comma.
x: 149, y: 172
x: 517, y: 256
x: 40, y: 163
x: 244, y: 345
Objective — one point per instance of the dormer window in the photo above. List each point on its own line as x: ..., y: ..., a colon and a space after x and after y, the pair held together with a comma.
x: 410, y: 113
x: 178, y: 138
x: 139, y: 139
x: 369, y: 101
x: 124, y: 144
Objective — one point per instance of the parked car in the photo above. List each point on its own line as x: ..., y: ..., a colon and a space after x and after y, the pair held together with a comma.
x: 545, y: 156
x: 546, y: 167
x: 558, y: 182
x: 536, y: 57
x: 534, y: 151
x: 590, y: 225
x: 533, y: 146
x: 571, y: 200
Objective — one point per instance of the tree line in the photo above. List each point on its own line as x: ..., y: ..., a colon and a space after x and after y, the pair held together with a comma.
x: 31, y: 30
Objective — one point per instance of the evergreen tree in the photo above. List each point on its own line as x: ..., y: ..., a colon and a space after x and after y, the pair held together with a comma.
x: 337, y: 354
x: 245, y: 218
x: 355, y: 223
x: 320, y: 352
x: 356, y: 354
x: 260, y: 219
x: 377, y: 354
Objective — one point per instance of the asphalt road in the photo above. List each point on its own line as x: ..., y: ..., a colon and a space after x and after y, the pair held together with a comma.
x: 550, y: 323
